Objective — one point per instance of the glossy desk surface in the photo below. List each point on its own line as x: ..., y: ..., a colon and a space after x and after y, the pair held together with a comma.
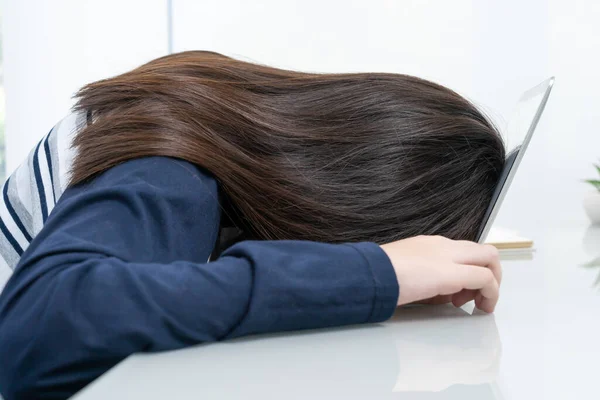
x: 543, y: 342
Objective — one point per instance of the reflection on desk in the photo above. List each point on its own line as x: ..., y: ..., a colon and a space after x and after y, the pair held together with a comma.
x: 423, y: 352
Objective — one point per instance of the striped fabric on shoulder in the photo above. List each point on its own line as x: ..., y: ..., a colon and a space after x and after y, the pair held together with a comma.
x: 30, y: 193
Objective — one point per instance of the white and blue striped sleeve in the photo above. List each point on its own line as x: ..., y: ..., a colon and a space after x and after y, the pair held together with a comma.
x: 30, y: 193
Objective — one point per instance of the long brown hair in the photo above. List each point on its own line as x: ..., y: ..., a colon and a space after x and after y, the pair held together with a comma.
x: 324, y: 157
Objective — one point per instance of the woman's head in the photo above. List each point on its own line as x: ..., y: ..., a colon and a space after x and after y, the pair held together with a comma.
x: 325, y: 157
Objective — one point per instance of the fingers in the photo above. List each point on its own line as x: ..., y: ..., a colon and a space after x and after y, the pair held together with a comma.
x: 435, y: 269
x: 486, y: 304
x: 482, y: 255
x: 463, y: 297
x: 478, y: 300
x: 481, y: 279
x: 436, y: 300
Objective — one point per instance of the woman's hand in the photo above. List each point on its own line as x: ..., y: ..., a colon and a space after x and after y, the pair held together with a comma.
x: 430, y: 267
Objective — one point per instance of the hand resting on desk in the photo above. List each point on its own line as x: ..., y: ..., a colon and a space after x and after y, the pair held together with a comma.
x: 439, y: 270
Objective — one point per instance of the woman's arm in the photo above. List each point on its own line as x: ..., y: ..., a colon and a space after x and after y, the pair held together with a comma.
x: 120, y: 268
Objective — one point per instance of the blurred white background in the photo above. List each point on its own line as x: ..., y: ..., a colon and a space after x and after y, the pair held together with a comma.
x: 487, y: 50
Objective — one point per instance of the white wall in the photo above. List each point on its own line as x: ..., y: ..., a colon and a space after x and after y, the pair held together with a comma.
x: 52, y: 48
x: 522, y: 42
x: 489, y: 51
x: 432, y: 39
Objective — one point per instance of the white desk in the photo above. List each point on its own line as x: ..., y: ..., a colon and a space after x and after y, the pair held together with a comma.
x: 542, y: 343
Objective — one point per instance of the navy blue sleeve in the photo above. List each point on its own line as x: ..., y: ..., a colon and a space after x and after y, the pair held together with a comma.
x: 121, y: 267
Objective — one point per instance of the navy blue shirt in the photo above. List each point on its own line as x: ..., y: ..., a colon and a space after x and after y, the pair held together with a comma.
x: 121, y: 267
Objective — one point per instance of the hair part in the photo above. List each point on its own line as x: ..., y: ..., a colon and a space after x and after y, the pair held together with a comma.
x: 324, y: 157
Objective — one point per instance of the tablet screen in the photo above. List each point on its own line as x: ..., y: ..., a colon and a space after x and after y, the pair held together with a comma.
x: 519, y: 132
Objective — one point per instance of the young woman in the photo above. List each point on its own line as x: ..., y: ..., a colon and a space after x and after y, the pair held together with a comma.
x: 320, y: 200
